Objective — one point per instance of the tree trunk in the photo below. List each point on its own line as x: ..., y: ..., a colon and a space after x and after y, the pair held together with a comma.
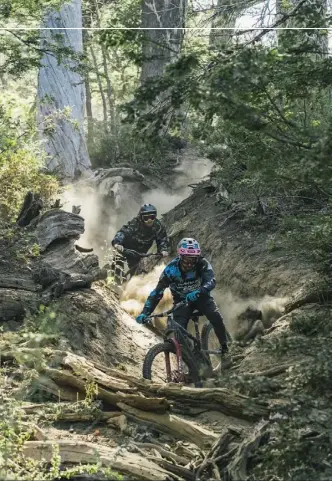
x: 88, y: 108
x: 100, y: 85
x: 109, y: 90
x: 161, y: 46
x: 225, y: 16
x: 88, y: 95
x: 60, y: 86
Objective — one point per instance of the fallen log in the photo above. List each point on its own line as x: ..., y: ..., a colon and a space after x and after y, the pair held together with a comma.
x: 184, y: 473
x: 164, y: 452
x: 219, y: 399
x: 67, y: 378
x: 87, y: 453
x: 217, y: 452
x: 145, y: 395
x: 68, y: 412
x: 86, y: 370
x: 173, y: 425
x: 56, y: 225
x: 237, y: 468
x: 40, y: 261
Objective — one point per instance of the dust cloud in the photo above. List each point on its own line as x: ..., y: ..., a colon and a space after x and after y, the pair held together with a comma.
x: 103, y: 218
x: 232, y: 306
x: 191, y: 170
x: 92, y: 205
x: 137, y: 290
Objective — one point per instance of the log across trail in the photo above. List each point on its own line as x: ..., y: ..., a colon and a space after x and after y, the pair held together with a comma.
x: 67, y: 377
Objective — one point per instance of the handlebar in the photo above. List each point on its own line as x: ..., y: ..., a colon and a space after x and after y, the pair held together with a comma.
x: 166, y: 313
x: 139, y: 254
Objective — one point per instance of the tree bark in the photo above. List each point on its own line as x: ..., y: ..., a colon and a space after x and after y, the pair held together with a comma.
x: 161, y: 46
x: 100, y: 84
x: 74, y: 452
x: 60, y: 86
x: 172, y: 425
x: 115, y: 388
x: 224, y: 16
x: 88, y: 95
x: 109, y: 90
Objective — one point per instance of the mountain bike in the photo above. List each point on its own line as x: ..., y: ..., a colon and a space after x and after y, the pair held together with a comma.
x: 117, y: 267
x: 187, y: 358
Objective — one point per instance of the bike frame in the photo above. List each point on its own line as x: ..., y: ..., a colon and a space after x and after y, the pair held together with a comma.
x: 178, y: 347
x: 131, y: 271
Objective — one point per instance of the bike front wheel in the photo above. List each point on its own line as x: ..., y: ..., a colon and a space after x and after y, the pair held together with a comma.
x: 160, y: 365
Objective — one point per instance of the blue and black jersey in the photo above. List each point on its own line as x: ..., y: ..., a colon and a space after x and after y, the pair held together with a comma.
x: 201, y: 278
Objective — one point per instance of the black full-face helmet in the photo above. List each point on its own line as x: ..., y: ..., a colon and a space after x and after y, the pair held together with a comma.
x: 148, y: 214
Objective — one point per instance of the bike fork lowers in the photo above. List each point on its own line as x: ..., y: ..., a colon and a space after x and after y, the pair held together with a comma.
x: 179, y: 361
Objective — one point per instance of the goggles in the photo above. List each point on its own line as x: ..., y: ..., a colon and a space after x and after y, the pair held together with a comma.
x: 188, y: 260
x: 147, y: 217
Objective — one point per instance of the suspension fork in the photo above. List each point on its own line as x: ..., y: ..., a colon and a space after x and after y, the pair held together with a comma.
x: 178, y: 352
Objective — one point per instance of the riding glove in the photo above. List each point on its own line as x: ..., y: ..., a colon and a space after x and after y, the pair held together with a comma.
x: 141, y: 319
x: 118, y: 247
x: 192, y: 296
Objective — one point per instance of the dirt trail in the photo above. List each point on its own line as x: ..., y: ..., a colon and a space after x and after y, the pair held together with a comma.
x: 82, y: 382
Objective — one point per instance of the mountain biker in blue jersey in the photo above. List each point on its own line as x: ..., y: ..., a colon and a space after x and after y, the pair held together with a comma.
x: 190, y: 277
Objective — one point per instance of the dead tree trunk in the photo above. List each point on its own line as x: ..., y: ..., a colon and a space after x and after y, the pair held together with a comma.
x: 60, y: 86
x: 161, y: 46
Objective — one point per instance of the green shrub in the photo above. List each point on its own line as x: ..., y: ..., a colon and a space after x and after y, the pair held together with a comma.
x: 312, y: 323
x: 127, y: 148
x: 19, y: 173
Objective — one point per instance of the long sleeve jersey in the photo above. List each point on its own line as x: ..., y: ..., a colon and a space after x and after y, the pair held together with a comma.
x: 135, y: 235
x: 200, y: 279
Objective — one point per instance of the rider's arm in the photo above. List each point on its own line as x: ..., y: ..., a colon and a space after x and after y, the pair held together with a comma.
x: 162, y: 239
x: 208, y: 280
x: 156, y: 295
x: 126, y: 230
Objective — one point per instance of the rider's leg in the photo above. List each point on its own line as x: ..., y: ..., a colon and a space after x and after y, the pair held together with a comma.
x: 182, y: 316
x: 132, y: 262
x: 207, y: 306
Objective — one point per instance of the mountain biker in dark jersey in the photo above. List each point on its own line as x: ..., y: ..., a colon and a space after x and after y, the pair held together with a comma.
x: 140, y: 233
x: 190, y: 277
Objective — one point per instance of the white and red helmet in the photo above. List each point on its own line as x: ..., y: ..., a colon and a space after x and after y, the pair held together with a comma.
x: 188, y: 247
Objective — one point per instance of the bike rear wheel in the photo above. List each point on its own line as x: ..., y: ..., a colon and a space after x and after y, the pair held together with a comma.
x: 210, y: 342
x: 154, y: 366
